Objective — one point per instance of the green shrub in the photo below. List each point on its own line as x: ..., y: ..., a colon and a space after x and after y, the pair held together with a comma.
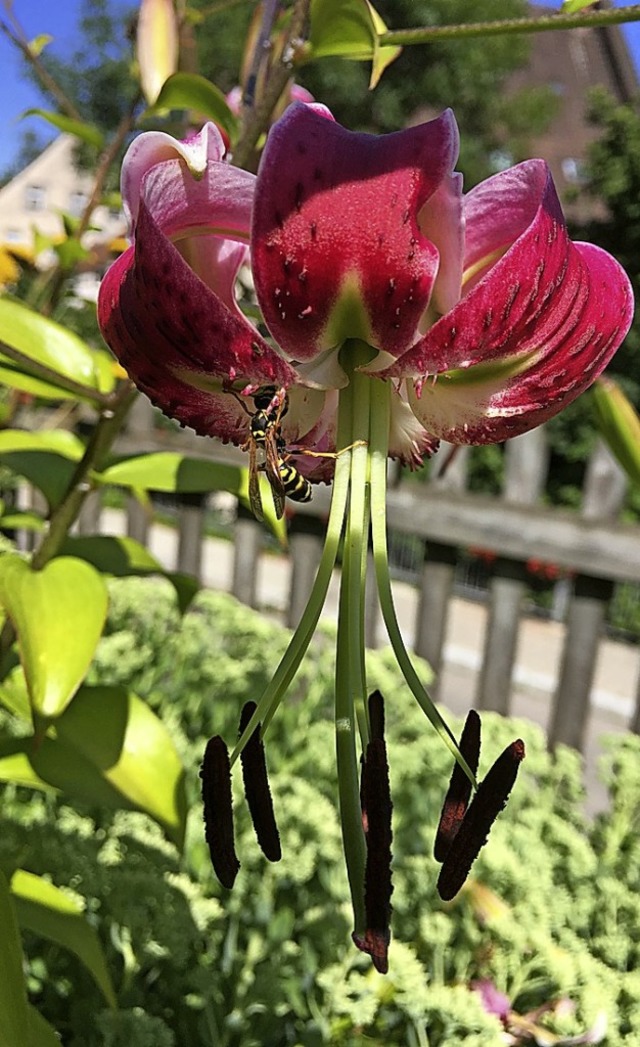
x: 552, y: 910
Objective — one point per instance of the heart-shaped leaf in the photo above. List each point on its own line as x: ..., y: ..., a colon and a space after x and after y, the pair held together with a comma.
x: 58, y: 614
x: 47, y: 911
x: 192, y: 91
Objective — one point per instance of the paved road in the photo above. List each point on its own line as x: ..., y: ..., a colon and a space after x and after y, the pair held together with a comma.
x: 537, y: 660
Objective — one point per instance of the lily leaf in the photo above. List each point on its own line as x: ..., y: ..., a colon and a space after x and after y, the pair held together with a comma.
x: 47, y: 911
x: 384, y: 55
x: 110, y: 749
x: 177, y: 473
x: 13, y: 992
x: 85, y: 132
x: 192, y: 91
x: 58, y: 614
x: 122, y: 557
x: 40, y: 1034
x: 48, y: 343
x: 619, y: 425
x: 58, y: 440
x: 47, y: 459
x: 570, y: 7
x: 342, y: 27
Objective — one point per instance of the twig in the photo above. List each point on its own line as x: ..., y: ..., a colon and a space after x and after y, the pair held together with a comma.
x: 16, y: 34
x: 428, y: 34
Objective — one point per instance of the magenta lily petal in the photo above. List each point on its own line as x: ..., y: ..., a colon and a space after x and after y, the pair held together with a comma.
x: 337, y: 247
x: 153, y: 147
x: 529, y: 337
x: 180, y: 340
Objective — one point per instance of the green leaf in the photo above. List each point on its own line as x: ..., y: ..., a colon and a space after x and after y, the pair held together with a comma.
x: 570, y: 7
x: 58, y: 614
x: 13, y: 992
x: 38, y: 44
x: 86, y: 132
x: 27, y: 521
x: 53, y: 346
x: 177, y: 473
x: 192, y: 91
x: 111, y: 750
x: 619, y: 425
x: 342, y: 27
x: 383, y: 55
x: 40, y: 1033
x: 47, y: 911
x: 121, y: 557
x: 172, y: 472
x: 47, y: 459
x: 13, y: 688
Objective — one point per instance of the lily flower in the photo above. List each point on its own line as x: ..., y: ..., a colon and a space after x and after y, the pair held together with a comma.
x: 398, y: 312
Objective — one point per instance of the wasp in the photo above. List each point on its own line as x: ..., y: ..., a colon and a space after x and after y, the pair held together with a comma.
x: 268, y: 453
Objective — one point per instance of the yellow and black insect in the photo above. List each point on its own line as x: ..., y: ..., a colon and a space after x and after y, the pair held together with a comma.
x: 267, y: 443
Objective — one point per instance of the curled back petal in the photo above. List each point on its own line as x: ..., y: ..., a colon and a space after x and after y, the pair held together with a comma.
x: 180, y: 342
x: 337, y: 246
x: 153, y: 147
x: 526, y: 340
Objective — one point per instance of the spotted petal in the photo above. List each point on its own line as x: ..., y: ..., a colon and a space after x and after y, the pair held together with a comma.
x: 532, y: 333
x: 341, y: 227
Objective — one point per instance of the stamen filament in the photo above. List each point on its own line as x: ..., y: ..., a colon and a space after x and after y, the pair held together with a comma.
x: 379, y: 448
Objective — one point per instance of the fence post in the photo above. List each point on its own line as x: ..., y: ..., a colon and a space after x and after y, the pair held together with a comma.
x: 306, y: 536
x: 246, y: 553
x: 89, y: 516
x: 587, y: 612
x: 436, y: 589
x: 138, y: 520
x: 501, y: 637
x: 191, y: 522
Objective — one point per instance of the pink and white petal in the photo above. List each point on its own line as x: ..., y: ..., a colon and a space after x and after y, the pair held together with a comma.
x: 178, y: 341
x: 441, y: 220
x: 494, y: 401
x: 154, y: 147
x: 218, y: 202
x: 497, y: 212
x: 543, y: 297
x: 337, y: 248
x: 216, y: 261
x: 409, y: 441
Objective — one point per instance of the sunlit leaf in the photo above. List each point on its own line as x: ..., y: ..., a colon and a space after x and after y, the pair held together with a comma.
x: 122, y: 557
x: 26, y: 521
x: 47, y: 911
x: 383, y: 55
x: 570, y: 7
x: 13, y: 992
x: 13, y: 689
x: 38, y: 44
x: 58, y: 614
x: 85, y: 132
x: 195, y: 92
x: 59, y: 440
x: 46, y: 458
x: 342, y: 27
x: 48, y: 343
x: 111, y: 750
x: 178, y: 473
x: 619, y: 425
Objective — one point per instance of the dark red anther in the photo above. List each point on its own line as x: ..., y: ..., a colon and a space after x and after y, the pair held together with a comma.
x: 257, y: 791
x: 376, y: 799
x: 485, y: 807
x: 376, y: 715
x: 218, y: 811
x: 457, y: 799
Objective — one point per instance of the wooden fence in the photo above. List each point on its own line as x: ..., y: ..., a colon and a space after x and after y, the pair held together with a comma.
x: 594, y: 548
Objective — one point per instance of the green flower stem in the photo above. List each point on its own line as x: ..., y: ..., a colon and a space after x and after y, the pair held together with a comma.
x: 350, y: 685
x: 379, y: 438
x: 428, y: 34
x: 290, y: 662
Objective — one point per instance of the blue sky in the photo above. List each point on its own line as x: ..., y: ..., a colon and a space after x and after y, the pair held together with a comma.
x: 60, y: 19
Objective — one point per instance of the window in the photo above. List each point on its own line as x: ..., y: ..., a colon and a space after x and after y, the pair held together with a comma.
x: 35, y: 198
x: 78, y: 200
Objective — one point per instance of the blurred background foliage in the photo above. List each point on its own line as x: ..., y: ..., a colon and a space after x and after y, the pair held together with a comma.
x: 551, y: 916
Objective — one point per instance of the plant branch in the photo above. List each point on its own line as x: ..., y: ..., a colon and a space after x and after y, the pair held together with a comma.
x: 428, y: 34
x: 48, y: 374
x: 257, y: 118
x: 16, y: 34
